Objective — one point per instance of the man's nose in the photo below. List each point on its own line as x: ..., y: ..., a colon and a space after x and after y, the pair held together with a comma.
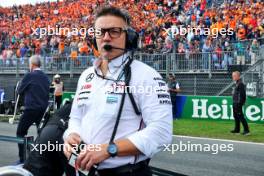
x: 106, y: 37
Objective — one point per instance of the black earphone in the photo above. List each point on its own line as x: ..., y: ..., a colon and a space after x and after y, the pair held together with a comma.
x: 131, y: 39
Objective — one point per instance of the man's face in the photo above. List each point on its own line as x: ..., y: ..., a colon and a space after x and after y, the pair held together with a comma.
x: 107, y: 22
x: 235, y: 76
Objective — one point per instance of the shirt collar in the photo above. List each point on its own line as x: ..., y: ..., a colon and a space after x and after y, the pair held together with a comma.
x: 114, y: 64
x: 117, y: 62
x: 36, y: 69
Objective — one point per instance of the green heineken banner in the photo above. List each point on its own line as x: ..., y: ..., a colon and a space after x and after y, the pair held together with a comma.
x: 218, y: 108
x: 67, y: 96
x: 209, y: 107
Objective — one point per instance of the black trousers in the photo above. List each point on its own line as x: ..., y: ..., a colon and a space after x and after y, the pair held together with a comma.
x: 239, y: 117
x: 26, y: 120
x: 58, y: 101
x: 174, y: 106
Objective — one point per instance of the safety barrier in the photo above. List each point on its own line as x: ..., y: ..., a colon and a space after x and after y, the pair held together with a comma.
x: 27, y: 141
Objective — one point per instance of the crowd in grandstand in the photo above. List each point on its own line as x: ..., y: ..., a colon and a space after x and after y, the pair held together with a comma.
x: 158, y: 23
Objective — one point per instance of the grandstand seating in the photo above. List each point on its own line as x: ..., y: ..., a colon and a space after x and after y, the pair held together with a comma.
x: 189, y: 62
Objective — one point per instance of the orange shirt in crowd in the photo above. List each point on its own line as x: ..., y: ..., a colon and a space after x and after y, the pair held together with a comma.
x: 232, y: 24
x: 74, y: 54
x: 61, y: 46
x: 84, y: 49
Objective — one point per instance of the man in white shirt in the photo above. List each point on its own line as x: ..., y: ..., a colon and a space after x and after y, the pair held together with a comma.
x: 145, y: 123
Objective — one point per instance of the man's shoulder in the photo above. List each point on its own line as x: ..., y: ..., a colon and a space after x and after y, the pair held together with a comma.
x: 40, y: 73
x: 144, y: 71
x: 240, y: 83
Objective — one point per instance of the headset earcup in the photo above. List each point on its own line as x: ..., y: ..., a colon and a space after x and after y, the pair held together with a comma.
x: 131, y: 39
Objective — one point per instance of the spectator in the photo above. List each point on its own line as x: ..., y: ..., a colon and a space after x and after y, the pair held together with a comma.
x: 240, y: 49
x: 217, y: 57
x: 228, y: 60
x: 254, y: 51
x: 23, y: 52
x: 207, y: 49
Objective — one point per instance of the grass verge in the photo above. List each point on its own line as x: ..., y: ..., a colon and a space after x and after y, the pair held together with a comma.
x: 216, y: 129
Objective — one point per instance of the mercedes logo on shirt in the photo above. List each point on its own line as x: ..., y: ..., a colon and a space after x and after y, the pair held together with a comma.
x: 89, y: 77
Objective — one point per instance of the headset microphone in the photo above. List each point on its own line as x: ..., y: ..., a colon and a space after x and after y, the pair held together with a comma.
x: 110, y: 47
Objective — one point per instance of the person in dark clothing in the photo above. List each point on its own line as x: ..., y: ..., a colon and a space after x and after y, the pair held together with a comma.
x: 174, y: 89
x: 35, y: 89
x: 239, y: 99
x: 51, y: 162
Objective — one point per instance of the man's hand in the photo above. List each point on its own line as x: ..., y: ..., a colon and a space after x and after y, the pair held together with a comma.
x: 91, y: 156
x: 73, y: 140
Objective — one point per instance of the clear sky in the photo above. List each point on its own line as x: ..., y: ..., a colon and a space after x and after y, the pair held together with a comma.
x: 7, y: 3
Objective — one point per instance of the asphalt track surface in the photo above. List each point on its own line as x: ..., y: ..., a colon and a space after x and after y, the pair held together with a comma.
x: 245, y: 159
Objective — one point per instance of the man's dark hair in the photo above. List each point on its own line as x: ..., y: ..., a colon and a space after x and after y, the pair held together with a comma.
x: 113, y: 11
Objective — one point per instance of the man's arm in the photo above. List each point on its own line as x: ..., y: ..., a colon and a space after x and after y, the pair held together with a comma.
x: 72, y: 135
x: 242, y: 93
x: 24, y: 84
x: 126, y: 148
x: 157, y: 117
x: 177, y: 88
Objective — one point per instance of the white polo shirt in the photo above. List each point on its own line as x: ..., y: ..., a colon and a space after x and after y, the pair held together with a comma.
x: 97, y: 100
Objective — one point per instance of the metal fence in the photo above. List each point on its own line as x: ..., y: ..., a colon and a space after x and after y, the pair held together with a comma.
x: 197, y: 73
x: 163, y: 63
x: 253, y: 76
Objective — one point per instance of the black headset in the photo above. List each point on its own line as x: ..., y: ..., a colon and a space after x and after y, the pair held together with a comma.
x: 131, y: 36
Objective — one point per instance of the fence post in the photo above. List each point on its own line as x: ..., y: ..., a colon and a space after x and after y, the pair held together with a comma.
x: 26, y: 141
x: 71, y: 67
x: 261, y: 80
x: 140, y: 56
x: 195, y: 85
x: 174, y: 62
x: 167, y: 64
x: 17, y: 67
x: 209, y: 66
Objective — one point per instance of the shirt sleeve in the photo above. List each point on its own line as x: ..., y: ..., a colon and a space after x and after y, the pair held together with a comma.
x: 157, y: 116
x: 177, y: 86
x: 75, y: 115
